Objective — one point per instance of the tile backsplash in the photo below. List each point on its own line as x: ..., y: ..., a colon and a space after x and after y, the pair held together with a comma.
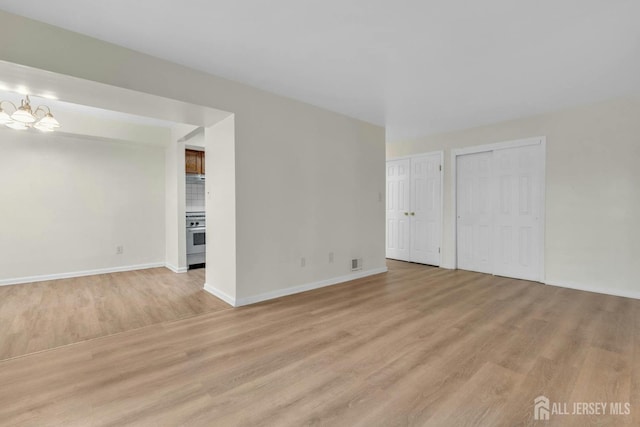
x: 195, y: 196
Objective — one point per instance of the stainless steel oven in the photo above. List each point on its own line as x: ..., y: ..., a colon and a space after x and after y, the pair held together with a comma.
x: 196, y: 239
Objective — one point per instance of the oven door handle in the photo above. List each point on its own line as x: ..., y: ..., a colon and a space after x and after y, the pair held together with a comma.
x: 196, y: 230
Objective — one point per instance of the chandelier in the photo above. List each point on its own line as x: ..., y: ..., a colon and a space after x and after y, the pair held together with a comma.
x: 23, y: 117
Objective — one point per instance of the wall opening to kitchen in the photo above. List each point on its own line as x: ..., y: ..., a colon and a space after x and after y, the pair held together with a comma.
x: 208, y: 133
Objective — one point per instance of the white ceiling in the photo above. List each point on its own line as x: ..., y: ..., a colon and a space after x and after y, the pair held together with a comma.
x: 417, y: 66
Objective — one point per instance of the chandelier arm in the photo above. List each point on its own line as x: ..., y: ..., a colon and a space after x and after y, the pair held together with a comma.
x: 42, y: 108
x: 9, y: 102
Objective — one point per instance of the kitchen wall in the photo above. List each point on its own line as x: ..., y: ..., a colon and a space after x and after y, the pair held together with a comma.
x: 195, y: 196
x: 592, y: 190
x: 307, y: 181
x: 67, y: 202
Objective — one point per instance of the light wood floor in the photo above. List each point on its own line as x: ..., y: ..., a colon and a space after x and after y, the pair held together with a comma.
x: 415, y: 346
x: 44, y: 315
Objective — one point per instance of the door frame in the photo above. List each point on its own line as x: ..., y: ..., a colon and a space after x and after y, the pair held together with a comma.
x: 539, y: 140
x: 430, y: 153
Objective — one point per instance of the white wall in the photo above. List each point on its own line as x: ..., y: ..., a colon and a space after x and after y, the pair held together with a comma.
x: 83, y: 124
x: 220, y: 204
x: 312, y: 184
x: 308, y: 181
x: 175, y: 202
x: 592, y: 190
x: 67, y: 202
x: 195, y: 139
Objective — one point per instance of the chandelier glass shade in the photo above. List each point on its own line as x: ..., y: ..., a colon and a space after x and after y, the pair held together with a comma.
x: 23, y: 117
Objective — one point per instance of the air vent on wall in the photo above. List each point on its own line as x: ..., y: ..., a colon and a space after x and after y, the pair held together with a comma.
x: 356, y: 264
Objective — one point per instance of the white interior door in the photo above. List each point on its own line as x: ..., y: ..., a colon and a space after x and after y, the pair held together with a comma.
x: 426, y: 209
x: 474, y: 211
x: 398, y: 208
x: 518, y: 209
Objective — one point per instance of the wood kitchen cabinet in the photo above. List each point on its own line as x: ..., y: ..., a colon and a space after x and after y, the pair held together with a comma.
x: 194, y: 161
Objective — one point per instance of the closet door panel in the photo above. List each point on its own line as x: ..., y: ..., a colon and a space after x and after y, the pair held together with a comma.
x: 518, y: 207
x: 474, y: 212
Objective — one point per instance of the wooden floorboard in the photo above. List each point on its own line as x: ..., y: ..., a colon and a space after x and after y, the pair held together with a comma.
x: 44, y: 315
x: 415, y: 346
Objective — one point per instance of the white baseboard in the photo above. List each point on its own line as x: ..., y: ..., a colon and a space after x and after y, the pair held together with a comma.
x: 219, y: 294
x: 45, y: 277
x: 307, y: 287
x: 597, y: 289
x: 176, y: 269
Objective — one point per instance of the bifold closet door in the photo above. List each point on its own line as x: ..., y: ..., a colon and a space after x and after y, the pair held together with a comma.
x: 398, y: 208
x: 474, y: 212
x: 499, y: 209
x: 518, y: 176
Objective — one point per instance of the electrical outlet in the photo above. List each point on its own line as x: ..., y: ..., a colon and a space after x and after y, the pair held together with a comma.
x: 303, y: 262
x: 330, y: 257
x: 119, y: 250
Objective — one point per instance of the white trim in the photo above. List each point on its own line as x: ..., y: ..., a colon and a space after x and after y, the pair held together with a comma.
x: 597, y: 289
x: 45, y: 277
x: 219, y: 294
x: 303, y: 288
x: 176, y: 269
x: 441, y: 249
x: 539, y: 140
x: 454, y: 204
x: 543, y: 213
x: 410, y: 156
x: 500, y: 145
